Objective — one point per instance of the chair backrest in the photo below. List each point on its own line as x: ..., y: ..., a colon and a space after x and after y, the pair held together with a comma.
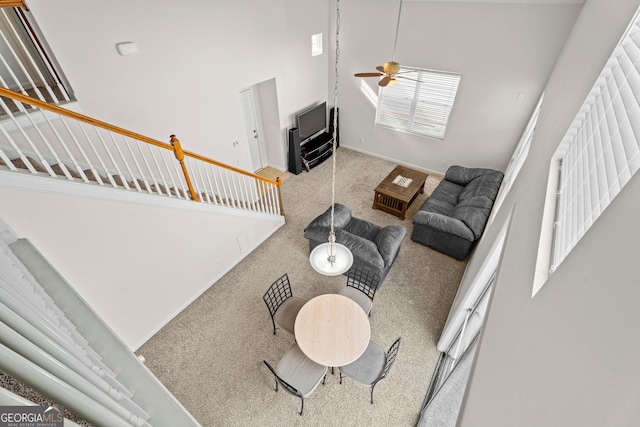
x: 291, y: 389
x: 391, y: 357
x: 278, y: 292
x: 363, y: 279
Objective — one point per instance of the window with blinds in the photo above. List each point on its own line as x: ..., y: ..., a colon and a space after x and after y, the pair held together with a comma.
x: 517, y: 159
x: 600, y: 152
x: 419, y: 102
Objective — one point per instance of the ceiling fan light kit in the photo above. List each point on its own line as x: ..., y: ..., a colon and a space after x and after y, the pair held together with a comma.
x: 391, y: 68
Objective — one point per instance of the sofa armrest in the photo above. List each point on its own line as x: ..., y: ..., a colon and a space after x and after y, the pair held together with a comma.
x: 444, y: 224
x: 389, y: 241
x: 361, y: 248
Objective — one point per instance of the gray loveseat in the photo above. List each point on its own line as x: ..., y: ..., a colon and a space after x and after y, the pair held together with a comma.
x: 370, y: 244
x: 453, y: 218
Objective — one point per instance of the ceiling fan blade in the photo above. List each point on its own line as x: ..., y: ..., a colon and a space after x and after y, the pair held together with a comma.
x: 380, y: 68
x: 368, y: 74
x: 384, y: 81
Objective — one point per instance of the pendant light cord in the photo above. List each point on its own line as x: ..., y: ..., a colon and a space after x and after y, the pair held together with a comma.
x: 335, y: 122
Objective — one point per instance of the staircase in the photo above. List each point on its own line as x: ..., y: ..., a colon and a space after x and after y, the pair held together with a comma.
x: 48, y: 141
x: 45, y: 147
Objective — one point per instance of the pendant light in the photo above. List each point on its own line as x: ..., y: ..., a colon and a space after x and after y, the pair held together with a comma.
x: 331, y: 258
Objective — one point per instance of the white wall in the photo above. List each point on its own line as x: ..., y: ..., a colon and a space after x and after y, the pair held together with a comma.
x: 569, y: 355
x: 195, y: 57
x: 137, y: 265
x: 500, y: 49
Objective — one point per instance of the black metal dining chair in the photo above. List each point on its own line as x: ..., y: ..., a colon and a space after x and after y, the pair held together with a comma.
x: 362, y: 283
x: 283, y: 306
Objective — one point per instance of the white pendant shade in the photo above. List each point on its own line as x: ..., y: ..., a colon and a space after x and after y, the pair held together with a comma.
x: 320, y: 259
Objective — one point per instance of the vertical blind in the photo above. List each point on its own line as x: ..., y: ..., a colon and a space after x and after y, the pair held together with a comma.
x: 600, y: 152
x: 420, y: 101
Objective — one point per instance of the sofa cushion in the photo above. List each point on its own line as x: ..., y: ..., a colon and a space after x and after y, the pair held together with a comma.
x: 361, y: 248
x: 474, y: 212
x: 444, y: 198
x: 341, y: 217
x: 362, y: 228
x: 486, y: 185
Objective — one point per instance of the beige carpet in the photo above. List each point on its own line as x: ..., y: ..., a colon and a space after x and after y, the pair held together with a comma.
x: 210, y: 356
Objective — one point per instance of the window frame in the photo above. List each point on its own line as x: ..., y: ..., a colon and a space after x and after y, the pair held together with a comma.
x: 596, y: 158
x: 517, y: 159
x: 420, y: 102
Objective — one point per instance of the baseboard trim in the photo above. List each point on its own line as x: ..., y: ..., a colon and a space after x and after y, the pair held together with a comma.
x: 408, y: 165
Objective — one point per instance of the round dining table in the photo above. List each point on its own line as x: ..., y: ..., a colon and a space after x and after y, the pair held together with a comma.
x: 332, y: 330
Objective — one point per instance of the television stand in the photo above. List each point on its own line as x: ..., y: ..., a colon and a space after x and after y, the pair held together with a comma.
x: 316, y: 150
x: 307, y: 154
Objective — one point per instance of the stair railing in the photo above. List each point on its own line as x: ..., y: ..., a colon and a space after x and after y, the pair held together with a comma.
x: 48, y: 140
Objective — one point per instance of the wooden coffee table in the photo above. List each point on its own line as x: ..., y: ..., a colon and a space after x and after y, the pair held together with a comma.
x: 395, y: 198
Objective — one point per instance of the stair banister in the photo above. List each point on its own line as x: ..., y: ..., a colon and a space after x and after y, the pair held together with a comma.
x: 177, y: 150
x: 208, y: 181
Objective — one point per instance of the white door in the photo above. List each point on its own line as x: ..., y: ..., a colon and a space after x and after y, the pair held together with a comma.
x: 251, y: 127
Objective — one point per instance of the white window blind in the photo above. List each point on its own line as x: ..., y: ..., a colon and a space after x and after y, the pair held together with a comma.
x: 600, y: 152
x: 420, y: 101
x: 517, y: 159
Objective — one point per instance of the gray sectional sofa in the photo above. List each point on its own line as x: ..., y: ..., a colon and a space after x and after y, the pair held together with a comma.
x: 453, y: 218
x: 371, y: 245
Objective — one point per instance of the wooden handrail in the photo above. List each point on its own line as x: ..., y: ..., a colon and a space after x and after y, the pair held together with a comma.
x: 77, y: 116
x: 231, y: 168
x: 13, y: 3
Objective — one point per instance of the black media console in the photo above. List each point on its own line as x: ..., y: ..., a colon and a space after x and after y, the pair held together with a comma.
x: 307, y: 154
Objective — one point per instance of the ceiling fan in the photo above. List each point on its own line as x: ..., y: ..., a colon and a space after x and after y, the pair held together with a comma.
x: 391, y: 69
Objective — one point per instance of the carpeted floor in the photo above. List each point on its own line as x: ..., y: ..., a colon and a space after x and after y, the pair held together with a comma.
x: 210, y: 356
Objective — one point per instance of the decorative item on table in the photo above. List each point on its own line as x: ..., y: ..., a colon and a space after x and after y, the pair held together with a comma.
x: 402, y: 181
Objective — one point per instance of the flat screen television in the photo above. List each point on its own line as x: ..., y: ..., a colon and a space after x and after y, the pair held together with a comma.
x: 312, y: 121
